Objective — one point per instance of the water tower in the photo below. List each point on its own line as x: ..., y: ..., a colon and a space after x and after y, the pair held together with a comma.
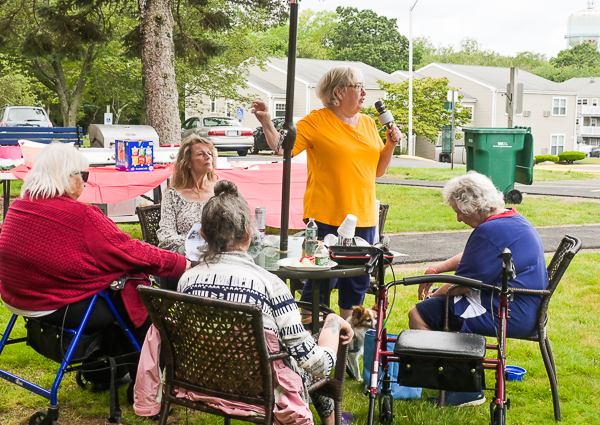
x: 584, y: 26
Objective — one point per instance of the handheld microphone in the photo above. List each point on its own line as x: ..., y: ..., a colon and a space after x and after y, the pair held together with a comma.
x: 385, y: 117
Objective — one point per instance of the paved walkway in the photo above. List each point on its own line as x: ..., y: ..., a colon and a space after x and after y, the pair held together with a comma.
x: 439, y: 246
x: 572, y: 188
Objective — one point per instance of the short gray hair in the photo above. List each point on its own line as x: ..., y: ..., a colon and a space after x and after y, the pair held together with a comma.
x: 341, y: 76
x: 473, y: 193
x: 53, y: 166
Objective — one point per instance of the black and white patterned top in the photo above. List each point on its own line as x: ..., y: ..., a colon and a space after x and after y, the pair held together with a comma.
x: 236, y: 278
x: 177, y: 216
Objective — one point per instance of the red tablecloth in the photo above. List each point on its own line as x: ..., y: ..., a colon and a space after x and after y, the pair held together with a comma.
x: 107, y: 185
x: 259, y: 184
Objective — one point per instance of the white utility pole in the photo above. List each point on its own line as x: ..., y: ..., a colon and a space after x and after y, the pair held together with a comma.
x: 409, y: 145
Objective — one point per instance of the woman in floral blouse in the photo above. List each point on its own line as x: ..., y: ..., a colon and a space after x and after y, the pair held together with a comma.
x: 193, y: 184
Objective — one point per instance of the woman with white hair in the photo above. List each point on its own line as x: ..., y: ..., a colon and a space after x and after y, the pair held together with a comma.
x: 345, y: 155
x: 478, y: 203
x: 56, y: 252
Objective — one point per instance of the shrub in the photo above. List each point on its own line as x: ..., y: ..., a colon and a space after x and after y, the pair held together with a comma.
x: 543, y: 158
x: 571, y: 156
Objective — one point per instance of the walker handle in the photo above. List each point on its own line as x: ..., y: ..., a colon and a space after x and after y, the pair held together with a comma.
x: 442, y: 278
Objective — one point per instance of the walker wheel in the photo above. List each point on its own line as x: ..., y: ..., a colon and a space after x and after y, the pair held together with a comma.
x: 386, y: 409
x: 38, y: 418
x: 499, y: 415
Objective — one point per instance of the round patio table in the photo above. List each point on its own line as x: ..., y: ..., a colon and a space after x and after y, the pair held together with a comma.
x: 267, y: 256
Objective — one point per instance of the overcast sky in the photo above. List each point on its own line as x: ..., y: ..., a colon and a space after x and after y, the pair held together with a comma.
x: 504, y: 26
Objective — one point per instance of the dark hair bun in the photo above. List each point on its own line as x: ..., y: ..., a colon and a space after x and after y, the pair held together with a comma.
x: 226, y: 187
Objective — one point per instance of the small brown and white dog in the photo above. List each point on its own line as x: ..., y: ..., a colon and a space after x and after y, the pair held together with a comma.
x: 362, y: 320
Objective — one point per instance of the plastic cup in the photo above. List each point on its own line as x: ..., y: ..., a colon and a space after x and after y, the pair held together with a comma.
x: 348, y: 226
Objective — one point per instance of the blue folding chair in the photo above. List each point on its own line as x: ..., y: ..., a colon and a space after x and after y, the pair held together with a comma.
x: 50, y: 416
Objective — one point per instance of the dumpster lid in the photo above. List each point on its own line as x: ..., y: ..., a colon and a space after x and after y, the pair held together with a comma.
x: 494, y: 130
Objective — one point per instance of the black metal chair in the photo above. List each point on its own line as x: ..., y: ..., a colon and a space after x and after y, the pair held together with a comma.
x: 149, y: 217
x: 218, y: 348
x: 568, y: 248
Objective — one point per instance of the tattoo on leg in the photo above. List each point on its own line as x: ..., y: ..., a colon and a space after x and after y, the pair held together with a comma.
x: 332, y: 323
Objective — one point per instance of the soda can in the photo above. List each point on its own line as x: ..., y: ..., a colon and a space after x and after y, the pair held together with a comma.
x: 260, y: 217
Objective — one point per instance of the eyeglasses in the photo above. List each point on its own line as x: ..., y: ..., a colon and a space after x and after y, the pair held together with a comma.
x: 84, y: 175
x: 357, y: 87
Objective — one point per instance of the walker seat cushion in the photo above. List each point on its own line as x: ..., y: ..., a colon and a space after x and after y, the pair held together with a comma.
x: 446, y: 345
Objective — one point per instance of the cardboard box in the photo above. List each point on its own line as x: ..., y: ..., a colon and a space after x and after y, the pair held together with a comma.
x: 134, y: 155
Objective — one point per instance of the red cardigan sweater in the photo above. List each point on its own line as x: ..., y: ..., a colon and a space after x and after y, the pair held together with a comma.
x: 57, y: 251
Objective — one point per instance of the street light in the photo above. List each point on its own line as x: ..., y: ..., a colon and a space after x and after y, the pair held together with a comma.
x: 410, y: 80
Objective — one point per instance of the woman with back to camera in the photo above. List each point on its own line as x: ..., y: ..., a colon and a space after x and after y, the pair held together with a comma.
x: 192, y: 185
x: 56, y: 252
x: 225, y: 264
x: 345, y: 155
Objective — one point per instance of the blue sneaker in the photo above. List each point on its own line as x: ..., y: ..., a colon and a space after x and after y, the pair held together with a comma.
x: 460, y: 399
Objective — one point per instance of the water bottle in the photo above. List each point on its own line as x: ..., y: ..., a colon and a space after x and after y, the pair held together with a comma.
x: 321, y: 255
x: 310, y: 237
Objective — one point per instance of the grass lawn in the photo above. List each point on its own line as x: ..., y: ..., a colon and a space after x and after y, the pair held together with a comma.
x: 574, y: 330
x: 444, y: 174
x: 590, y: 161
x: 414, y: 209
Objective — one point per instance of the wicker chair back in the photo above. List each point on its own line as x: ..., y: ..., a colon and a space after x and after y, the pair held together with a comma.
x: 569, y: 246
x: 213, y: 347
x: 149, y: 217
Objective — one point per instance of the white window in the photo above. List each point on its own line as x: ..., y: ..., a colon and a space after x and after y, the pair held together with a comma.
x: 471, y: 110
x: 579, y: 101
x: 584, y: 101
x: 279, y: 109
x: 229, y: 108
x: 559, y: 106
x: 594, y: 102
x: 213, y: 105
x: 594, y: 122
x: 557, y: 145
x: 594, y: 142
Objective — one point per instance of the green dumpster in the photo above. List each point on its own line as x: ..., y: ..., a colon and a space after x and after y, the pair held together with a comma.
x: 505, y: 155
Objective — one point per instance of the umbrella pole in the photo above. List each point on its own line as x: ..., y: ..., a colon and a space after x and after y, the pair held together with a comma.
x: 288, y: 143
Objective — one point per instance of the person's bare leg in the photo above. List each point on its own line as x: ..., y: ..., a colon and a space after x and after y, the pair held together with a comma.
x: 330, y: 420
x: 345, y: 314
x: 415, y: 321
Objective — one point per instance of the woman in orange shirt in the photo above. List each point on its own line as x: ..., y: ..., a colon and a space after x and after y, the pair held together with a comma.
x: 345, y: 154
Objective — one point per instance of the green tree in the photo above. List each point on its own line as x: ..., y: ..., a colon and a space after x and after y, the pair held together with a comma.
x: 15, y: 89
x: 367, y: 37
x: 429, y: 115
x: 313, y: 28
x: 470, y: 52
x: 57, y: 41
x: 580, y: 56
x: 197, y: 32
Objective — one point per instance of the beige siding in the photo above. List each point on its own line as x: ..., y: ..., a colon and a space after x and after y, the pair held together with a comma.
x: 424, y: 148
x: 483, y: 106
x: 542, y: 128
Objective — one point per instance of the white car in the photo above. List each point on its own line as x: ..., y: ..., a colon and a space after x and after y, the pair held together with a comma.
x: 460, y: 154
x: 227, y: 134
